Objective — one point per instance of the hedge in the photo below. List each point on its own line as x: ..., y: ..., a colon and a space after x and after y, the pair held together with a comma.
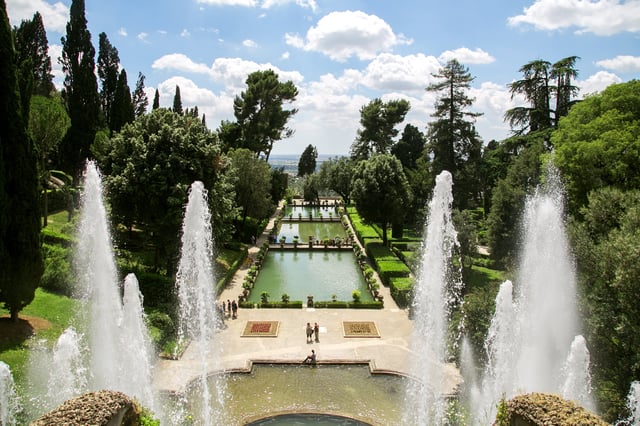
x: 388, y: 269
x: 228, y: 276
x: 348, y: 305
x: 401, y: 289
x: 292, y: 304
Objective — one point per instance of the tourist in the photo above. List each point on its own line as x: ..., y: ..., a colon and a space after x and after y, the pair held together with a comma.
x: 311, y: 358
x: 234, y: 308
x: 228, y: 307
x: 316, y: 331
x: 309, y: 333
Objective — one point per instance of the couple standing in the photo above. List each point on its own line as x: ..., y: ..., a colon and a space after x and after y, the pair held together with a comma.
x: 311, y: 331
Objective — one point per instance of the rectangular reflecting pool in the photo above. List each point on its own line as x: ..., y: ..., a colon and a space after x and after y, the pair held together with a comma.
x: 295, y: 211
x: 318, y: 273
x: 319, y: 230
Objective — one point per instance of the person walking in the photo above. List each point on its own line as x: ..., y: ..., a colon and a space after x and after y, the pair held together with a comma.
x: 316, y: 332
x: 234, y: 309
x: 309, y: 333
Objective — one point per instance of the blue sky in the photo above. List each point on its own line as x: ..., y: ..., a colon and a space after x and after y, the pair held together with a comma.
x: 343, y: 53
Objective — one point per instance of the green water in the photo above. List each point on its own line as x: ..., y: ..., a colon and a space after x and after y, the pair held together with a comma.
x: 319, y: 273
x: 319, y: 230
x: 294, y: 211
x: 338, y: 390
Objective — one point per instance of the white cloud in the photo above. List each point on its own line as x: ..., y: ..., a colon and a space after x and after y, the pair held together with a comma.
x: 601, y: 17
x: 185, y: 33
x: 245, y: 3
x: 122, y: 32
x: 621, y: 63
x: 389, y: 72
x: 143, y: 37
x: 229, y: 72
x: 306, y: 4
x: 465, y: 55
x: 54, y: 16
x: 179, y: 62
x: 285, y: 55
x: 341, y: 35
x: 264, y: 4
x: 215, y: 107
x: 597, y: 82
x: 250, y: 44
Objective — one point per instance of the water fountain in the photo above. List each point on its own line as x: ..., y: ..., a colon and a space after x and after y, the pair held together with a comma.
x: 67, y: 375
x: 530, y: 340
x: 437, y: 291
x: 8, y: 398
x: 633, y: 404
x: 195, y: 282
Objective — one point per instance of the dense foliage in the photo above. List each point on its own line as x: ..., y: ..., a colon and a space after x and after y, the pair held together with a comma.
x: 20, y: 254
x: 148, y: 168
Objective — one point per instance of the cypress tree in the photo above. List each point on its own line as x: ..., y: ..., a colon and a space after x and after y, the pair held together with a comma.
x: 80, y: 90
x: 177, y: 102
x: 122, y: 110
x: 156, y: 100
x: 108, y: 67
x: 139, y: 97
x: 31, y: 44
x: 21, y: 264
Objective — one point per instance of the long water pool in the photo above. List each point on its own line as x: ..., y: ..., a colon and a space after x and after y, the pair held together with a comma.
x: 319, y: 231
x: 318, y: 273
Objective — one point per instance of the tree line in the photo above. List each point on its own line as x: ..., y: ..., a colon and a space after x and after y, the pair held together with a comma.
x: 149, y: 159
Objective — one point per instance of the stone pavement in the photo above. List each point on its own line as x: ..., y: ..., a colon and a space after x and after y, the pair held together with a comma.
x: 391, y: 352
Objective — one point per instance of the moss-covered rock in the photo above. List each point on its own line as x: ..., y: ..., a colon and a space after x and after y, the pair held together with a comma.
x: 541, y: 409
x: 101, y: 408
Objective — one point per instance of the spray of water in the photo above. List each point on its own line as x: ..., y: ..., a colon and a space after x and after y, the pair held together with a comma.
x: 195, y: 283
x: 529, y: 345
x: 9, y: 405
x: 437, y: 291
x: 67, y: 374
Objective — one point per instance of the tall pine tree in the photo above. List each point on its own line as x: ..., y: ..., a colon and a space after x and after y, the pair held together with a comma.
x: 31, y: 44
x: 122, y: 111
x: 108, y: 69
x: 21, y: 263
x: 139, y: 97
x: 453, y: 139
x: 177, y: 102
x: 80, y: 90
x: 156, y: 100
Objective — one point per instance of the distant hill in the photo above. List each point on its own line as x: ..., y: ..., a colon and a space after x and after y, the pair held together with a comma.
x: 290, y: 162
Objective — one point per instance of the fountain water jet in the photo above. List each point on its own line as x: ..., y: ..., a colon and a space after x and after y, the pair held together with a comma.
x: 67, y: 376
x: 577, y: 374
x: 8, y: 399
x: 633, y: 406
x: 529, y: 344
x: 437, y: 291
x: 112, y: 350
x: 195, y: 282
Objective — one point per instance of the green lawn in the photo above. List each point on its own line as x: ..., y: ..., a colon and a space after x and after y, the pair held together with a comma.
x: 58, y: 310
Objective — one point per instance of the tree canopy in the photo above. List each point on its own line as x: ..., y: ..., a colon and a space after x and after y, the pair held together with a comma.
x: 381, y: 191
x: 598, y: 143
x: 307, y: 162
x: 20, y: 254
x: 259, y: 112
x: 453, y: 139
x: 337, y: 175
x: 32, y: 45
x: 149, y: 167
x: 80, y: 90
x: 378, y: 121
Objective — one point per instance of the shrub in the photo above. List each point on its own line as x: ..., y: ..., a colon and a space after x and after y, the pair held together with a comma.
x: 401, y: 289
x: 355, y: 294
x: 292, y: 304
x: 388, y: 269
x: 57, y: 276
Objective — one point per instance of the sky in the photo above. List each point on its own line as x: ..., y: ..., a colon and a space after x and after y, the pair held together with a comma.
x: 341, y: 54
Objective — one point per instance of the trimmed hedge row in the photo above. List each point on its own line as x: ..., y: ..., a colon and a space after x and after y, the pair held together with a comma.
x: 388, y: 269
x: 401, y: 288
x: 362, y: 230
x: 297, y: 304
